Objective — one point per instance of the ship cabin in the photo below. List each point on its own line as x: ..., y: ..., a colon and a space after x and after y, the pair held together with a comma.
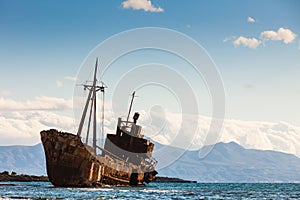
x: 129, y: 144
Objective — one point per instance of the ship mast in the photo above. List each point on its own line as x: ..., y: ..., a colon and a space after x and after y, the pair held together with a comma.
x: 89, y: 124
x: 93, y: 89
x: 95, y: 108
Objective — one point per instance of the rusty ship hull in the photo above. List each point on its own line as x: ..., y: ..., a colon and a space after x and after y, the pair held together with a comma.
x: 70, y: 163
x: 125, y: 159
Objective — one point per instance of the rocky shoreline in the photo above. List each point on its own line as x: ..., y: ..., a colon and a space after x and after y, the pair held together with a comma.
x: 14, y: 177
x: 174, y: 180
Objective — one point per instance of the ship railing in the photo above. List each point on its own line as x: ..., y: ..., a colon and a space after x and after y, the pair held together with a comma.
x: 151, y: 161
x: 125, y: 125
x: 113, y: 155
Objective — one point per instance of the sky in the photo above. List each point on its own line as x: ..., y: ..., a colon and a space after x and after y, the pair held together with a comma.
x: 255, y: 46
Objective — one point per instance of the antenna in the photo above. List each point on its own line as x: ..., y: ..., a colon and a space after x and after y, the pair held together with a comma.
x: 133, y: 95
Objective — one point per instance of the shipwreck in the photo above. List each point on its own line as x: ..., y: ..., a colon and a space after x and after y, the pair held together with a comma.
x: 125, y: 159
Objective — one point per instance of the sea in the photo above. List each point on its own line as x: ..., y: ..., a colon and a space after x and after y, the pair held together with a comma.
x: 156, y: 190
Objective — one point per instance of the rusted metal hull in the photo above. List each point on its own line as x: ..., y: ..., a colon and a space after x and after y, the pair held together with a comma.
x: 70, y: 163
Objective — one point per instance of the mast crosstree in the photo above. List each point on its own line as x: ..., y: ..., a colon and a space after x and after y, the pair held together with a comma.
x: 92, y: 97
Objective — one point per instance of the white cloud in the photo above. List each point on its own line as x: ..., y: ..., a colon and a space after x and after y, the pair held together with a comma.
x: 39, y: 103
x: 250, y: 20
x: 71, y: 78
x: 286, y: 35
x: 5, y: 93
x: 24, y: 127
x: 229, y: 38
x: 145, y: 5
x: 281, y: 136
x: 282, y: 34
x: 191, y: 132
x: 247, y: 42
x: 59, y: 84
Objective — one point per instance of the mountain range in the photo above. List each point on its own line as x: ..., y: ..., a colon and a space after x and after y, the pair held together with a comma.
x: 227, y: 162
x: 23, y: 159
x: 230, y: 162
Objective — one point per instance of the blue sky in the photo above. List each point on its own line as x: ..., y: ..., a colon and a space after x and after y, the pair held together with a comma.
x: 43, y: 42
